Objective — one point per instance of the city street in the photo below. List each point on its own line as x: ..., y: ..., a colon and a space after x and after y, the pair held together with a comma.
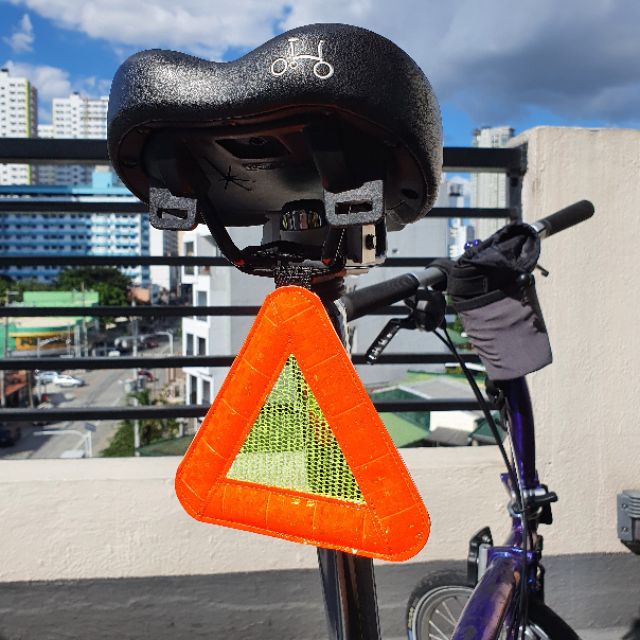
x: 103, y: 388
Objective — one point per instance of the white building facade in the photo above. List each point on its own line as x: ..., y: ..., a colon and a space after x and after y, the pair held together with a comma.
x: 74, y: 234
x: 18, y: 119
x: 216, y: 286
x: 489, y: 189
x: 74, y: 117
x: 80, y: 117
x: 454, y: 194
x: 164, y: 278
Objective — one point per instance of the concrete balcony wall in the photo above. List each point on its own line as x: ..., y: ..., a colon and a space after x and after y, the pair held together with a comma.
x: 107, y: 518
x: 587, y: 402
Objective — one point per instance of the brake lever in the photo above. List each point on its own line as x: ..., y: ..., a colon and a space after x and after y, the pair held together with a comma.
x: 427, y: 314
x: 386, y: 336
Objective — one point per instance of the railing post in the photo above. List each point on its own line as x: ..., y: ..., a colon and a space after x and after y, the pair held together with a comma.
x: 514, y: 184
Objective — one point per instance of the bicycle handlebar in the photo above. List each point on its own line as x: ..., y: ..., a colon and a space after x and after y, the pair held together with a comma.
x: 563, y: 219
x: 364, y: 301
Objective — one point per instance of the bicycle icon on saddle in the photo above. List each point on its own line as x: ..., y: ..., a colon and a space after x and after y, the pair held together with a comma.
x: 321, y: 69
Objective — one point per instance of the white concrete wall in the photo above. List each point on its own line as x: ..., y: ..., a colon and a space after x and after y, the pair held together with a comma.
x: 107, y: 518
x: 116, y: 518
x: 587, y: 403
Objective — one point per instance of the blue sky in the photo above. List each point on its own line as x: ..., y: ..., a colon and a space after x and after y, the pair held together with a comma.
x: 491, y: 63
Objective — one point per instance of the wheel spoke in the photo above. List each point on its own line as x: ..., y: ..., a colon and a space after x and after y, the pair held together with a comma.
x: 437, y: 611
x: 461, y: 602
x: 435, y: 626
x: 451, y: 619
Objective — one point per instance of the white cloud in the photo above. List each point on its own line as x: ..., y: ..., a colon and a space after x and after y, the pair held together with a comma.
x: 21, y: 40
x: 207, y: 28
x: 53, y: 82
x: 497, y: 60
x: 494, y: 59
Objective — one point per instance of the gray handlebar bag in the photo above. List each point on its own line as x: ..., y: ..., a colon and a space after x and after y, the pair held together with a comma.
x: 493, y: 291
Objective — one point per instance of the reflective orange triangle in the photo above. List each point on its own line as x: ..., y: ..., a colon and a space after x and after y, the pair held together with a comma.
x: 389, y: 522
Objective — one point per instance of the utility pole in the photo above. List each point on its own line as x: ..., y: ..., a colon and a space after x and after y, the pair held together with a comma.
x: 136, y: 431
x: 136, y: 423
x: 84, y: 349
x: 5, y: 345
x: 5, y: 349
x: 77, y: 345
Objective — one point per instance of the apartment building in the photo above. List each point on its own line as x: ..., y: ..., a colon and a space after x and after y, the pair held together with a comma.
x: 73, y: 117
x: 213, y: 286
x: 73, y: 234
x: 489, y: 189
x: 164, y: 278
x: 18, y: 119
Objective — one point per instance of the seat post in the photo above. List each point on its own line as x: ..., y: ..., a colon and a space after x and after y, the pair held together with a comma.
x: 349, y: 590
x: 348, y: 581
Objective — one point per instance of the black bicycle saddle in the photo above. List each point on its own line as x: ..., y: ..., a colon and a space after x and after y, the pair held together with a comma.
x: 322, y: 109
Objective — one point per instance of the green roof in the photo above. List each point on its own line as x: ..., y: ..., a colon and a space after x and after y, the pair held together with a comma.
x: 88, y: 298
x: 402, y: 431
x: 483, y: 434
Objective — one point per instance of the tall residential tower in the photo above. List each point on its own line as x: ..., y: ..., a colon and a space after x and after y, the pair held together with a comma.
x: 489, y: 189
x: 74, y: 117
x: 18, y: 119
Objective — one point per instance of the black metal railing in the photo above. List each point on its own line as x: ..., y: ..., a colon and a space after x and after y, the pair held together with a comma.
x: 511, y: 161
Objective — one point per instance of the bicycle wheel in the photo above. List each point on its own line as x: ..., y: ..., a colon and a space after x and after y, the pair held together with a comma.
x: 437, y: 601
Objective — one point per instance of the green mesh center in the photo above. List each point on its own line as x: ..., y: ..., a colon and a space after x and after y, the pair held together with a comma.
x: 291, y: 445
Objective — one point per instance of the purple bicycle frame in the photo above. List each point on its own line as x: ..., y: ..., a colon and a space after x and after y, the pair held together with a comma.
x: 493, y: 602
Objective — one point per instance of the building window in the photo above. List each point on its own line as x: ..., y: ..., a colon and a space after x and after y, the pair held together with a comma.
x: 201, y: 301
x: 188, y: 337
x: 202, y: 347
x: 189, y: 251
x: 206, y: 392
x: 193, y: 390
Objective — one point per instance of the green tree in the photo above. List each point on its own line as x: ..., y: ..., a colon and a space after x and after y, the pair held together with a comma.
x: 121, y: 445
x: 110, y: 284
x: 20, y: 286
x: 151, y: 430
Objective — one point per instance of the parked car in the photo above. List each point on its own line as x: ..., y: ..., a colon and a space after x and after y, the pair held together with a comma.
x: 45, y: 377
x: 9, y: 434
x: 145, y: 373
x: 64, y: 380
x: 113, y: 353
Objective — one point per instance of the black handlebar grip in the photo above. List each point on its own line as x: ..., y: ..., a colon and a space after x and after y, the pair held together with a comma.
x: 364, y: 301
x: 565, y: 218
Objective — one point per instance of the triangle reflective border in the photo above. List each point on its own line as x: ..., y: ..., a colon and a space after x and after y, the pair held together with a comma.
x: 386, y: 519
